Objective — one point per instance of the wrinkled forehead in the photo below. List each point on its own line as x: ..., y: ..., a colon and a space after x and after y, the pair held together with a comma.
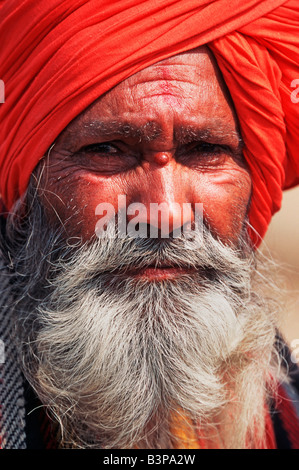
x: 196, y: 67
x: 188, y: 84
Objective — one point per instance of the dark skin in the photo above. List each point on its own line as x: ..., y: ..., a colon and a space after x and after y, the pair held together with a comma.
x: 167, y: 134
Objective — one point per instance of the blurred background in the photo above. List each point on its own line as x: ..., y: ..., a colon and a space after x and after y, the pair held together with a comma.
x: 282, y: 240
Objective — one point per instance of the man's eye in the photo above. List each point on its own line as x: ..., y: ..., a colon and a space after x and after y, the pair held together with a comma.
x: 106, y: 157
x: 208, y: 148
x: 102, y: 148
x: 203, y: 154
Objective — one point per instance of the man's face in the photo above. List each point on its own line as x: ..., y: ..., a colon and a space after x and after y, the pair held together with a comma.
x: 121, y: 335
x: 168, y: 134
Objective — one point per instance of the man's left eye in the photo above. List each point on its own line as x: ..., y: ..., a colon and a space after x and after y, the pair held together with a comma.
x: 208, y: 148
x: 203, y: 154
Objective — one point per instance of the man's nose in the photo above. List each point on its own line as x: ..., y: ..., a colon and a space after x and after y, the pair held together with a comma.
x: 162, y: 201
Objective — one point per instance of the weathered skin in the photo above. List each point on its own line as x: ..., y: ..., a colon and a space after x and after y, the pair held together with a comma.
x: 149, y: 136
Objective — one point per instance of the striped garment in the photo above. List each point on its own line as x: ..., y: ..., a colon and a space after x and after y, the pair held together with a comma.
x: 25, y: 425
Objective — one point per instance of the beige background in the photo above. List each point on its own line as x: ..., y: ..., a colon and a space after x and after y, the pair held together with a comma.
x: 282, y: 240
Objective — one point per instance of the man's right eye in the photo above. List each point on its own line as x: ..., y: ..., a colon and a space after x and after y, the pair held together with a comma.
x: 106, y: 157
x: 102, y: 148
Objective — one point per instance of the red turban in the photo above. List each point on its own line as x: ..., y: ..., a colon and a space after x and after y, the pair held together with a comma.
x: 58, y: 56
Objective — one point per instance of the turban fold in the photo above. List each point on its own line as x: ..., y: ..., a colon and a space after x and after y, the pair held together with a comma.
x: 58, y: 56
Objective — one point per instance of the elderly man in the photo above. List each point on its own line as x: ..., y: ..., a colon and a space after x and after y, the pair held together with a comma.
x: 135, y: 327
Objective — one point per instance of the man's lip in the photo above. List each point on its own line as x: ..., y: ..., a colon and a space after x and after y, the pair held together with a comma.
x: 160, y: 272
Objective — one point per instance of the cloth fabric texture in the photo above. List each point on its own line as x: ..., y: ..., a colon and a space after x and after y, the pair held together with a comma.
x: 58, y: 56
x: 12, y: 402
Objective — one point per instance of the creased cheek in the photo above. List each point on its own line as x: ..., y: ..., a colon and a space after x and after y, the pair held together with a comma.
x: 73, y: 203
x: 225, y: 207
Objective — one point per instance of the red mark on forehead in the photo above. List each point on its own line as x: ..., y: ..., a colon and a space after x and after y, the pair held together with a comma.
x: 166, y: 72
x: 166, y: 77
x: 168, y: 84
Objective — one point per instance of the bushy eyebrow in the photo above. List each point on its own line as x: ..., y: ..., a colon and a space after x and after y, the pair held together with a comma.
x: 148, y: 132
x: 218, y: 133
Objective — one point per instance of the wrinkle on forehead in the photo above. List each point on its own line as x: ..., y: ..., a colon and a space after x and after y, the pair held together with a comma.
x: 169, y: 75
x: 168, y: 90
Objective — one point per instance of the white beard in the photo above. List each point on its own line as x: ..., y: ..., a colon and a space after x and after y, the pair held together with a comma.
x: 116, y: 360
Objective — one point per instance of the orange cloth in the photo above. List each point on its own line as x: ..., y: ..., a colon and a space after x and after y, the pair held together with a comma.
x: 187, y: 438
x: 58, y: 56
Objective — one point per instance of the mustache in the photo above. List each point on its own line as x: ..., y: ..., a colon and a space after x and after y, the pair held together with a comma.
x: 116, y: 257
